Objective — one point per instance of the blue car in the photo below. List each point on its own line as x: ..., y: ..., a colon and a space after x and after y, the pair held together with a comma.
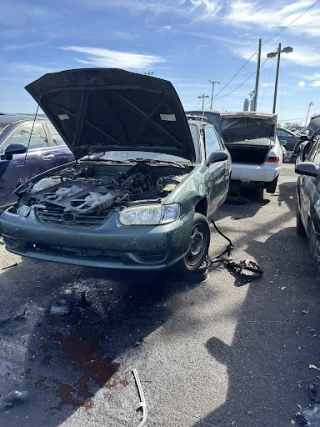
x: 25, y: 153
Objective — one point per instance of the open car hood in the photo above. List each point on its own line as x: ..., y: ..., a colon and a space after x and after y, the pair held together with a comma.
x: 243, y: 126
x: 106, y: 109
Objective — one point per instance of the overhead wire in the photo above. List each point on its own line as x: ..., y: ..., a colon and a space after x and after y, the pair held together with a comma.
x: 292, y: 22
x: 263, y: 44
x: 227, y: 84
x: 241, y: 84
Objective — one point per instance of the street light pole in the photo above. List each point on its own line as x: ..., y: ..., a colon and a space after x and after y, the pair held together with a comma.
x: 213, y: 83
x: 278, y: 52
x: 203, y: 96
x: 277, y: 80
x: 311, y: 103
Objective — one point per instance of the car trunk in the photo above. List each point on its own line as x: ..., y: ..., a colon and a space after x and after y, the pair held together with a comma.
x: 248, y: 136
x: 248, y: 153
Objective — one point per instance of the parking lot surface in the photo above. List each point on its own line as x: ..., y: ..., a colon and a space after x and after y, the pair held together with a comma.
x: 232, y: 351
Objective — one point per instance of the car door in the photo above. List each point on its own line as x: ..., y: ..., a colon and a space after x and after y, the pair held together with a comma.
x: 60, y: 151
x: 217, y: 179
x: 24, y: 166
x: 309, y: 187
x: 287, y: 139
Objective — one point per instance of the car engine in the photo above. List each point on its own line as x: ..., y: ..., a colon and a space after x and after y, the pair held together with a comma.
x: 92, y: 189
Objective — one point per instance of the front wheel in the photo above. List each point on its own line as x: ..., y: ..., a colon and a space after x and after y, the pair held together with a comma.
x: 198, y: 248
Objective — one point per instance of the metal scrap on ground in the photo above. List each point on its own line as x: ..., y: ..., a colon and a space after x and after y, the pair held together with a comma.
x: 143, y: 404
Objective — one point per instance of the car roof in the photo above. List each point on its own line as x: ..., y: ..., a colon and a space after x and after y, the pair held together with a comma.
x: 197, y: 121
x: 9, y: 119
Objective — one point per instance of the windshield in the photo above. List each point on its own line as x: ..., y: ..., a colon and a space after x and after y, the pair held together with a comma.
x: 3, y: 126
x: 163, y: 157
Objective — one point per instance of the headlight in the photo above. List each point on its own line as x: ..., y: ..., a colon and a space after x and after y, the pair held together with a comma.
x: 150, y: 214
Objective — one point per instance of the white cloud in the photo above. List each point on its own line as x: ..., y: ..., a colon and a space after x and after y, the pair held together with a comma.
x: 167, y: 27
x: 301, y: 84
x: 314, y: 76
x: 19, y: 67
x: 316, y: 83
x: 115, y: 59
x: 190, y: 8
x: 274, y: 15
x: 23, y: 46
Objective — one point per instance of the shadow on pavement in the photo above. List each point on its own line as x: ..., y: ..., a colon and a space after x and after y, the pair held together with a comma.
x: 268, y: 359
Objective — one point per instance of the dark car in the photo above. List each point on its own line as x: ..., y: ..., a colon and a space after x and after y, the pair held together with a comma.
x: 144, y: 184
x: 289, y: 140
x: 26, y: 149
x: 308, y: 193
x: 310, y: 139
x: 211, y: 116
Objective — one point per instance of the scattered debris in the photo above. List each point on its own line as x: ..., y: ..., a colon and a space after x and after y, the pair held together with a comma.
x: 309, y: 416
x: 14, y: 397
x: 9, y: 266
x: 305, y: 312
x: 143, y: 404
x: 60, y: 308
x: 238, y: 267
x: 311, y: 366
x: 283, y: 288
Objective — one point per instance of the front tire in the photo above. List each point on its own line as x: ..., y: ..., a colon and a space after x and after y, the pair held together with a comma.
x: 299, y: 224
x: 199, y: 245
x: 313, y: 247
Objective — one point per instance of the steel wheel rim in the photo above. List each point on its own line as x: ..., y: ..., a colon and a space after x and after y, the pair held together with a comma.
x: 197, y: 245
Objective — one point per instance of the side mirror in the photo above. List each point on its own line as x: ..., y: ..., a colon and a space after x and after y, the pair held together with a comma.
x: 307, y: 168
x: 216, y: 156
x: 303, y: 138
x: 14, y: 149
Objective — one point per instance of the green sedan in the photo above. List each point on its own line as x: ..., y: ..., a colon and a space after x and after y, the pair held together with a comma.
x: 145, y: 180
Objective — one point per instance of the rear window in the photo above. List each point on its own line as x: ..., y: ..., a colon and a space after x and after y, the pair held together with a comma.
x: 247, y: 128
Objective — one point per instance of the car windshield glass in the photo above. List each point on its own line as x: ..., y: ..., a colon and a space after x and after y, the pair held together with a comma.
x: 3, y: 126
x: 163, y: 157
x: 129, y: 155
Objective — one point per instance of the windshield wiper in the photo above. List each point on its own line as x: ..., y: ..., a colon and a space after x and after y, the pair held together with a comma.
x: 156, y: 161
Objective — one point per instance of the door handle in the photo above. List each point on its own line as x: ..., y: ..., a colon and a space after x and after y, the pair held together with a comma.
x: 48, y: 156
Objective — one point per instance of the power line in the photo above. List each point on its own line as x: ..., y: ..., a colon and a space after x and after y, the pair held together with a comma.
x: 296, y: 19
x: 227, y: 84
x: 263, y: 44
x: 241, y: 84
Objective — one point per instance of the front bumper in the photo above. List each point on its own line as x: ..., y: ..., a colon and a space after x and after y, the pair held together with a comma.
x: 109, y: 246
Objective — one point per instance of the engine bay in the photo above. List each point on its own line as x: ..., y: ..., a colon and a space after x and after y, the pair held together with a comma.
x: 93, y: 188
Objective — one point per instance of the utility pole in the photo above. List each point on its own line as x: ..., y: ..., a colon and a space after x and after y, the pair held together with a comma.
x: 255, y: 104
x: 311, y: 103
x: 203, y: 96
x: 213, y: 83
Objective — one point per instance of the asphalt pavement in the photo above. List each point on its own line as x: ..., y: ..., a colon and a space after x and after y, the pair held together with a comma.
x: 232, y: 351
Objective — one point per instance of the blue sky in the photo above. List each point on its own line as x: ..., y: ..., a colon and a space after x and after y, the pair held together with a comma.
x: 185, y: 41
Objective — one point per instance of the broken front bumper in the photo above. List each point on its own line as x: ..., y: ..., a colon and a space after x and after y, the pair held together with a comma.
x: 110, y: 245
